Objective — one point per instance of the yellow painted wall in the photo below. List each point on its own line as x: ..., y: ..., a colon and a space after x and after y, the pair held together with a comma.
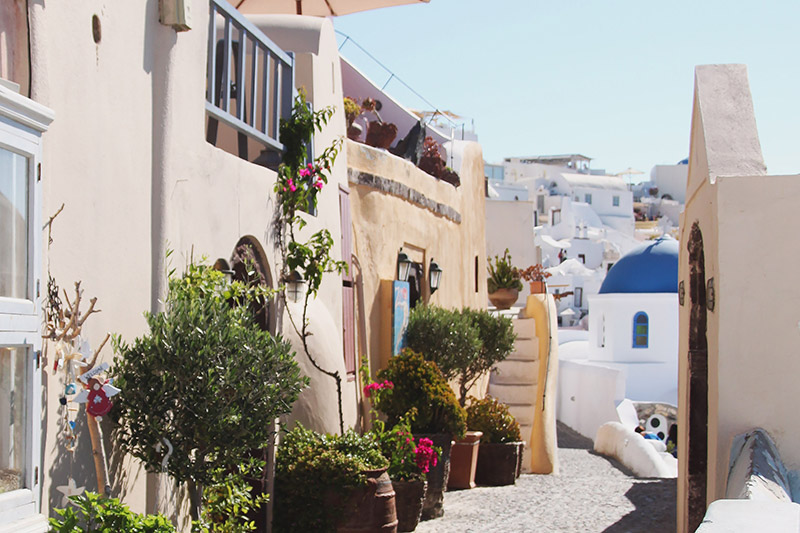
x: 382, y: 223
x: 543, y: 440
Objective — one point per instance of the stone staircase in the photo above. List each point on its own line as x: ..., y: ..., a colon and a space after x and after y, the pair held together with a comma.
x: 514, y: 381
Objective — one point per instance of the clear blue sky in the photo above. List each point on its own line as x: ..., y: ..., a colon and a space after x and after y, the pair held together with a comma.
x: 612, y: 80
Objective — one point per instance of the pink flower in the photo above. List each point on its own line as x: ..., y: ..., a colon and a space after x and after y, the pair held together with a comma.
x: 318, y: 185
x: 304, y: 173
x: 292, y: 186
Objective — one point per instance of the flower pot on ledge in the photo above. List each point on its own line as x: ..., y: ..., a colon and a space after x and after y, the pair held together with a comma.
x: 538, y: 287
x: 380, y: 134
x: 503, y: 298
x: 497, y: 463
x: 464, y: 461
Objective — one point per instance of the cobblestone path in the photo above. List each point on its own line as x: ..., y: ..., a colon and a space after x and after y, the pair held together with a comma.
x: 590, y: 494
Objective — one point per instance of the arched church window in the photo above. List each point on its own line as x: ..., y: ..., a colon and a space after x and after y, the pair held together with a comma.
x: 641, y: 330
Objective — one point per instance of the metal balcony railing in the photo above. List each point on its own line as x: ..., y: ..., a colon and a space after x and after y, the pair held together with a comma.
x: 249, y: 81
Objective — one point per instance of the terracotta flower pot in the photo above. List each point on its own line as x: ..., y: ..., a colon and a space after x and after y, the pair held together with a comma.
x: 503, y: 298
x: 538, y: 287
x: 463, y: 461
x: 371, y: 509
x: 381, y: 134
x: 408, y: 499
x: 497, y: 463
x: 433, y: 506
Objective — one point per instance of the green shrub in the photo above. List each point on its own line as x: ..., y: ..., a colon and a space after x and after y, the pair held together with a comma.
x: 464, y: 344
x: 92, y: 512
x: 492, y: 417
x: 229, y: 498
x: 419, y: 384
x: 310, y: 468
x: 206, y: 378
x: 443, y: 336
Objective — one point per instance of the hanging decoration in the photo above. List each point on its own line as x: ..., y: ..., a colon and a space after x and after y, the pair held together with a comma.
x: 75, y: 362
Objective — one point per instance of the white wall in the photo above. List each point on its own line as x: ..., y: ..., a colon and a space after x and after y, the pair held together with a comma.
x: 671, y: 179
x: 652, y: 372
x: 588, y: 394
x: 509, y: 224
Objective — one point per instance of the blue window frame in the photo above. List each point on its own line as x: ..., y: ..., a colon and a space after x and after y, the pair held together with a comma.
x: 641, y: 330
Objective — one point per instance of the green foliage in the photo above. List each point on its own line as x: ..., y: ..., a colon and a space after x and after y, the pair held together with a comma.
x: 312, y: 259
x: 443, y: 336
x: 419, y: 384
x: 315, y: 473
x: 228, y: 500
x: 93, y: 513
x: 502, y: 275
x: 351, y: 110
x: 464, y: 344
x: 492, y: 417
x: 205, y: 377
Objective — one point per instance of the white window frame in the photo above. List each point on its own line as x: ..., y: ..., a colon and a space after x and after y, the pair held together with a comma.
x: 22, y: 122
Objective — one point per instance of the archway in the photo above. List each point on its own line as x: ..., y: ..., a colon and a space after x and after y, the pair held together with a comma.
x: 697, y: 432
x: 249, y: 265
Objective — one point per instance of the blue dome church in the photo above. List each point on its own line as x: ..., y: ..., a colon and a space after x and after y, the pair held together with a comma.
x: 633, y: 321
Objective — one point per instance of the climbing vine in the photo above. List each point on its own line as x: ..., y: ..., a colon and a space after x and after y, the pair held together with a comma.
x: 299, y: 183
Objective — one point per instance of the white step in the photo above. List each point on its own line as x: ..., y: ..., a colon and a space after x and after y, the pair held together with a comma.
x: 523, y: 413
x: 525, y: 328
x: 525, y: 349
x: 511, y: 372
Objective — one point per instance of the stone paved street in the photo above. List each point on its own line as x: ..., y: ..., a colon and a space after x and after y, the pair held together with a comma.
x: 591, y: 494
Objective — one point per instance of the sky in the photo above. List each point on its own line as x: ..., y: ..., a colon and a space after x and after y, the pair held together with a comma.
x: 612, y: 80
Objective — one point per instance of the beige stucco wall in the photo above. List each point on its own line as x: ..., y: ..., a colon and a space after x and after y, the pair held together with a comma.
x: 382, y: 223
x: 127, y: 156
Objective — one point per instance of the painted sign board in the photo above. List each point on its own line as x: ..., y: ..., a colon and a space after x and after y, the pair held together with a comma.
x: 400, y: 311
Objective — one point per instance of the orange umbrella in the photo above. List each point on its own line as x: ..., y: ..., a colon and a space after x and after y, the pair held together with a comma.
x: 317, y: 8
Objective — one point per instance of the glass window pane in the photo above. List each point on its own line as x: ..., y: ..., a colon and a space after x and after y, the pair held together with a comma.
x: 14, y: 218
x: 13, y: 415
x: 641, y: 341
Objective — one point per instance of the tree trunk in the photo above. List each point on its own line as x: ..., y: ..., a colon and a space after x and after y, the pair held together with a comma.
x: 195, y: 499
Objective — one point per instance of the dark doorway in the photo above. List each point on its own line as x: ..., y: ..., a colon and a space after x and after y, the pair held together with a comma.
x: 415, y: 278
x: 249, y: 265
x: 698, y: 382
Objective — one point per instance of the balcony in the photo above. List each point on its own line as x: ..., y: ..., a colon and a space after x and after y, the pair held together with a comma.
x: 249, y: 86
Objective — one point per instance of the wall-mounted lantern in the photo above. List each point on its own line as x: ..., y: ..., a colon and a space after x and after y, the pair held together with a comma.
x: 681, y: 292
x: 435, y: 275
x: 223, y: 266
x: 403, y: 264
x: 295, y: 287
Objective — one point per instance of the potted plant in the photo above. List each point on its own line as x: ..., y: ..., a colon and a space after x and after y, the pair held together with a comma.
x: 204, y: 351
x: 433, y: 163
x: 503, y: 283
x: 331, y: 483
x: 380, y: 134
x: 536, y: 276
x: 418, y: 383
x: 410, y: 460
x: 466, y: 345
x: 351, y: 112
x: 501, y: 447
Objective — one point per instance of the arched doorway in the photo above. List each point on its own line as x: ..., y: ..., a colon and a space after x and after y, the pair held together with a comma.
x: 249, y: 265
x: 697, y: 432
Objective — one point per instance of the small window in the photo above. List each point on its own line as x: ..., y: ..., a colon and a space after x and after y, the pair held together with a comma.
x: 555, y: 219
x: 615, y: 201
x: 582, y: 258
x: 578, y: 297
x: 601, y: 341
x: 641, y: 328
x: 587, y: 198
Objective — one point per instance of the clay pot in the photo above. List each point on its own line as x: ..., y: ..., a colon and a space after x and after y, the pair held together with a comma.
x: 463, y: 461
x: 433, y: 505
x: 371, y: 509
x: 538, y: 287
x: 408, y: 499
x: 354, y: 132
x: 504, y: 298
x: 497, y: 463
x: 380, y: 134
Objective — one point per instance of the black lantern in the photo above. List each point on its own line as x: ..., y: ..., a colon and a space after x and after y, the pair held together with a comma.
x: 434, y: 275
x: 403, y: 264
x: 295, y: 287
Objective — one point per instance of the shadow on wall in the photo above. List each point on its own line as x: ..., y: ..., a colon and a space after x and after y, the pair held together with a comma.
x: 655, y: 508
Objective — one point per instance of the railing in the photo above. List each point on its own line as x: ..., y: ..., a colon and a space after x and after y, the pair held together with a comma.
x: 249, y: 81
